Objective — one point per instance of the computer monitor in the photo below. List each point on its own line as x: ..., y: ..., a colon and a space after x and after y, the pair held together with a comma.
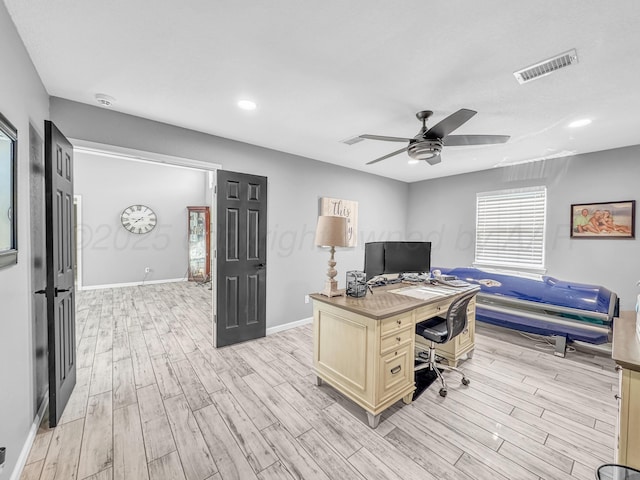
x: 373, y: 259
x: 396, y: 257
x: 407, y: 257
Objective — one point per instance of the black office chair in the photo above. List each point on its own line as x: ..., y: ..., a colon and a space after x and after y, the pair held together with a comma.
x: 441, y: 330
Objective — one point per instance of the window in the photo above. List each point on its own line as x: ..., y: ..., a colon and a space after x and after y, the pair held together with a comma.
x: 510, y: 228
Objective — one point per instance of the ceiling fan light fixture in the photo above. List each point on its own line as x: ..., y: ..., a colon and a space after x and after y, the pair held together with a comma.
x: 413, y: 161
x: 425, y: 149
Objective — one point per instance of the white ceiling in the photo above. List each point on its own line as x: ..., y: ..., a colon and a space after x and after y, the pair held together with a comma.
x: 325, y: 71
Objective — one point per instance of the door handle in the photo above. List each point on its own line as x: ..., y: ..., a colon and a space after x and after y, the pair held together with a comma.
x: 60, y: 290
x: 40, y: 292
x: 260, y: 266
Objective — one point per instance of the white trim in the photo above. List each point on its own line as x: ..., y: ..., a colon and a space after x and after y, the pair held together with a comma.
x: 77, y: 201
x: 133, y: 284
x: 26, y: 448
x: 535, y: 273
x: 287, y: 326
x: 94, y: 148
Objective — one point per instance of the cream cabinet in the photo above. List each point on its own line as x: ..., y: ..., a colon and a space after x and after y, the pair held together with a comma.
x: 365, y: 347
x: 369, y: 361
x: 626, y: 353
x: 629, y: 419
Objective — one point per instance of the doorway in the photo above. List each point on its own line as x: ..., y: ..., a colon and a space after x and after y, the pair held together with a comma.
x: 118, y: 177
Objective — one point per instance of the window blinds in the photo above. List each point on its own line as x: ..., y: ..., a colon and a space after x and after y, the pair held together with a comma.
x: 510, y: 228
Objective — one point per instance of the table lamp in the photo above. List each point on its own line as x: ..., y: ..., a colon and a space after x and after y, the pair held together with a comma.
x: 331, y: 232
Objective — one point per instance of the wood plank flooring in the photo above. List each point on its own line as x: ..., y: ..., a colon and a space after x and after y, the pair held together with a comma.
x: 155, y: 401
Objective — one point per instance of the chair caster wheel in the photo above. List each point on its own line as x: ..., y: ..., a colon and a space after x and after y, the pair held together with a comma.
x: 443, y: 392
x: 465, y: 381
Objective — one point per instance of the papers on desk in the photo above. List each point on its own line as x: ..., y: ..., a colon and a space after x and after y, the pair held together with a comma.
x: 425, y: 293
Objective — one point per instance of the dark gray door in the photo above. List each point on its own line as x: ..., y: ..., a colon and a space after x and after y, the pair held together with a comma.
x: 58, y: 159
x: 38, y: 266
x: 241, y: 258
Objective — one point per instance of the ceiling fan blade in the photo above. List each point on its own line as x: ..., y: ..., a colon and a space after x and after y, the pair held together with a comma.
x: 462, y: 140
x: 386, y: 156
x: 385, y: 138
x: 449, y: 124
x: 434, y: 160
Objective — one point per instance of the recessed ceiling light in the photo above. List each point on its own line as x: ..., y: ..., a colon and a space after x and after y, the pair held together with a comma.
x: 104, y: 100
x: 247, y: 105
x: 580, y: 123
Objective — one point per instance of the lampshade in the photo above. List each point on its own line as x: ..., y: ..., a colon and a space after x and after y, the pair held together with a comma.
x: 331, y: 231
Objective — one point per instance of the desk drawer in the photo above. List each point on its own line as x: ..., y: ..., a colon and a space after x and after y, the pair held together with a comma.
x: 396, y: 340
x: 396, y: 372
x: 430, y: 311
x: 395, y: 324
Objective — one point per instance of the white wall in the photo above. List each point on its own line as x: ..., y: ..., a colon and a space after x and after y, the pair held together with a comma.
x: 444, y: 210
x: 295, y: 267
x: 23, y: 100
x: 107, y: 185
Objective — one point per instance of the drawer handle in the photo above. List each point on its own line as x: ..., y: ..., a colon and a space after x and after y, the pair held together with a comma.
x: 399, y: 322
x: 398, y: 339
x: 395, y: 370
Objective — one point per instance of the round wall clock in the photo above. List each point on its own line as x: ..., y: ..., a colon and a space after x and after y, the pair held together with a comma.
x: 138, y: 219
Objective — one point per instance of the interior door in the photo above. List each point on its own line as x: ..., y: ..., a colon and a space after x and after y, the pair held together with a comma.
x: 241, y: 258
x: 60, y: 253
x: 38, y: 266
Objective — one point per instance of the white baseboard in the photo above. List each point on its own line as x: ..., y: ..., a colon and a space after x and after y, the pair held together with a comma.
x: 132, y: 284
x: 24, y: 453
x: 287, y: 326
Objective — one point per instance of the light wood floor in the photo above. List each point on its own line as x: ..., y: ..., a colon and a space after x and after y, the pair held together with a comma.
x: 154, y: 400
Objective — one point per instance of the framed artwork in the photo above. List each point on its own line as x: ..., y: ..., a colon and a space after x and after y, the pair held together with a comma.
x: 603, y: 220
x: 8, y: 193
x: 343, y: 208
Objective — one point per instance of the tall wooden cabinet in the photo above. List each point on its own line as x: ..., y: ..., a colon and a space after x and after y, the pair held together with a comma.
x: 199, y: 244
x: 626, y: 353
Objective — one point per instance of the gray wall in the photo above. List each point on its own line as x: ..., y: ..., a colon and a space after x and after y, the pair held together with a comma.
x: 443, y: 210
x: 23, y: 100
x: 112, y: 255
x: 295, y: 267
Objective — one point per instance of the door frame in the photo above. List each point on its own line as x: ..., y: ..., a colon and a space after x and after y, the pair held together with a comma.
x: 77, y: 208
x: 123, y: 153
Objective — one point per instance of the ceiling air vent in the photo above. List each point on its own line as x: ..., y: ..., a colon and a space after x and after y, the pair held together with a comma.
x: 546, y: 67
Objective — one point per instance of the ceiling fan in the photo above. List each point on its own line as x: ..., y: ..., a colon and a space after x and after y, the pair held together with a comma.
x: 428, y: 143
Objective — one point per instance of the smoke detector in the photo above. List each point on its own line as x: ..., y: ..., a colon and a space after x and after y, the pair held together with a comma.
x: 546, y: 67
x: 104, y: 100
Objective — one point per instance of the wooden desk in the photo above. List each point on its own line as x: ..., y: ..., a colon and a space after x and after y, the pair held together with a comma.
x: 626, y: 353
x: 364, y: 347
